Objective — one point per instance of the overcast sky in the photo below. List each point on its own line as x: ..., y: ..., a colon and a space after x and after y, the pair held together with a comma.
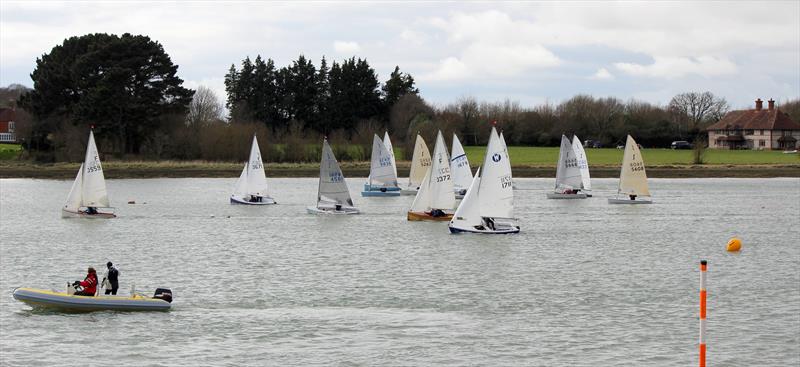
x: 526, y: 52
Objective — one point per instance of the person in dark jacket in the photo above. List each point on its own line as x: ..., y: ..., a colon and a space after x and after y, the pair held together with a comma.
x: 89, y: 284
x: 112, y: 275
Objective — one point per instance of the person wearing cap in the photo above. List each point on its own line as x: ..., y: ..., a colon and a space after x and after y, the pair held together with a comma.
x: 89, y: 284
x: 112, y: 277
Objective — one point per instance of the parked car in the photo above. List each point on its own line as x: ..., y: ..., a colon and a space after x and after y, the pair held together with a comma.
x: 680, y: 144
x: 592, y: 143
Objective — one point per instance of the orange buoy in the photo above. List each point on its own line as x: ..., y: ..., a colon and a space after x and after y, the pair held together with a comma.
x: 734, y: 245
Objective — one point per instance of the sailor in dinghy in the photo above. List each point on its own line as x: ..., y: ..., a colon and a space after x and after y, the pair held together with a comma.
x: 568, y: 174
x: 632, y: 178
x: 435, y: 199
x: 382, y: 180
x: 488, y: 205
x: 88, y: 193
x: 251, y: 188
x: 333, y: 195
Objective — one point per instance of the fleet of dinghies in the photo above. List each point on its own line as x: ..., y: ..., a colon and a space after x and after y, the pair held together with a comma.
x: 437, y: 181
x: 420, y: 164
x: 333, y: 195
x: 435, y: 199
x: 251, y: 188
x: 88, y: 197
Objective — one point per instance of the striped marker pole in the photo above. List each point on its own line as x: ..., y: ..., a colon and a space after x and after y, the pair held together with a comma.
x: 703, y: 295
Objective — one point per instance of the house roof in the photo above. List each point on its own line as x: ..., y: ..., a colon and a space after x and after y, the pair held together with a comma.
x: 754, y: 119
x: 6, y: 114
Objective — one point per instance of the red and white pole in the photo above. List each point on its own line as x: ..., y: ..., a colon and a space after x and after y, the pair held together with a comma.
x: 703, y: 295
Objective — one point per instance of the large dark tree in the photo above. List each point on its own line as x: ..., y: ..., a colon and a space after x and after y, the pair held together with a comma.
x: 398, y: 85
x: 124, y: 85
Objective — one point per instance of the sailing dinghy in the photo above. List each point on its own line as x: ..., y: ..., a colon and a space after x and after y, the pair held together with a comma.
x: 583, y: 164
x: 568, y: 174
x: 435, y: 199
x: 333, y: 196
x: 88, y: 197
x: 251, y: 188
x: 420, y: 164
x: 488, y: 205
x: 459, y: 167
x: 382, y: 180
x: 632, y: 178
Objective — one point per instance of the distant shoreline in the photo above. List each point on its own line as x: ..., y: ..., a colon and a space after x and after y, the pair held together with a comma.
x: 174, y: 169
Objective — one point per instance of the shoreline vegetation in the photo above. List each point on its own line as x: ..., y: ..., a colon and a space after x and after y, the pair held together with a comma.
x: 187, y: 169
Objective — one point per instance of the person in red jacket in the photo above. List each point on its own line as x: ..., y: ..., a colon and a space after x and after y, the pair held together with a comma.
x: 89, y: 284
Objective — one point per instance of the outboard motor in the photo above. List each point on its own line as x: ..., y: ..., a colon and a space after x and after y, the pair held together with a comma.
x: 163, y: 293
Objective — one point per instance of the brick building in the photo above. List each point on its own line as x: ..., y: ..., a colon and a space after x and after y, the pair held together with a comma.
x: 759, y: 128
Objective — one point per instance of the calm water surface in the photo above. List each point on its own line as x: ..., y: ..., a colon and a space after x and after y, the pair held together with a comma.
x: 584, y: 284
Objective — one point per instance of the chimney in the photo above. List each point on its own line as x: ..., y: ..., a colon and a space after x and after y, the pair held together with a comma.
x: 758, y: 104
x: 771, y: 103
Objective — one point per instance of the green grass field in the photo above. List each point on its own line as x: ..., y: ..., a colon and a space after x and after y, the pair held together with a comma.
x: 9, y: 151
x: 547, y: 156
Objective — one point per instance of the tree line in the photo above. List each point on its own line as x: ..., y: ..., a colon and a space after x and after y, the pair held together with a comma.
x: 127, y: 88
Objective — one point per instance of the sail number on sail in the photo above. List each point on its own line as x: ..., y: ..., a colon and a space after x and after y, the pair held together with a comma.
x: 444, y: 174
x: 95, y: 167
x: 637, y: 166
x: 256, y: 163
x: 385, y: 161
x: 336, y: 177
x: 571, y: 162
x: 505, y: 181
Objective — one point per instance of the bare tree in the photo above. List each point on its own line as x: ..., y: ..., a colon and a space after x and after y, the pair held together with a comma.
x: 205, y: 109
x: 696, y: 110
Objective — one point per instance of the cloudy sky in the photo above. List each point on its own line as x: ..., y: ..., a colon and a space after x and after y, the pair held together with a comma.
x: 526, y: 52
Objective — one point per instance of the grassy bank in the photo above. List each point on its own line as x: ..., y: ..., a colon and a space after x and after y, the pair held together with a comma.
x: 526, y: 161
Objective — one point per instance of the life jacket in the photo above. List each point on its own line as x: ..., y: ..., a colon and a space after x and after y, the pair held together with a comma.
x: 90, y: 283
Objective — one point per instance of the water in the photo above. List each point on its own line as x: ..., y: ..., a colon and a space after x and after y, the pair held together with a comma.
x: 584, y: 284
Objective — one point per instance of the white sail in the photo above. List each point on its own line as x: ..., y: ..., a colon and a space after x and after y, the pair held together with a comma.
x: 436, y: 190
x: 468, y: 213
x: 256, y: 178
x: 496, y: 196
x: 382, y: 171
x: 75, y: 197
x: 459, y: 166
x: 388, y: 143
x: 422, y: 202
x: 93, y: 190
x: 441, y: 180
x: 568, y: 174
x: 332, y: 187
x: 583, y: 163
x: 503, y: 141
x: 420, y: 163
x: 240, y: 189
x: 632, y: 178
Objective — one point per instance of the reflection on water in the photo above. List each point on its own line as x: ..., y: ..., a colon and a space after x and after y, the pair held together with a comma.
x: 584, y: 284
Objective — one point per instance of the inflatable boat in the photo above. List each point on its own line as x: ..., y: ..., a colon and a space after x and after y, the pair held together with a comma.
x: 40, y: 298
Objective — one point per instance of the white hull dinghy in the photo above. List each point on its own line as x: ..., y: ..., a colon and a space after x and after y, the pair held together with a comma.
x: 333, y: 195
x: 459, y: 166
x: 64, y: 301
x: 488, y: 205
x: 88, y: 197
x: 382, y: 180
x: 568, y: 174
x: 420, y: 164
x: 632, y: 178
x: 251, y: 187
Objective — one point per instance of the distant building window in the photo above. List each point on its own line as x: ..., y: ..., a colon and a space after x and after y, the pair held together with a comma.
x: 749, y: 132
x: 11, y: 126
x: 760, y: 132
x: 762, y: 143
